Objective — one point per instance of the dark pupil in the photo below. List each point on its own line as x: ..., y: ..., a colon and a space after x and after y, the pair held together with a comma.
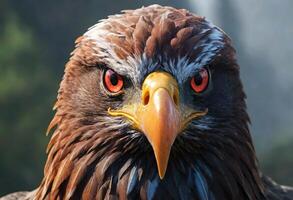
x: 114, y: 79
x: 197, y: 79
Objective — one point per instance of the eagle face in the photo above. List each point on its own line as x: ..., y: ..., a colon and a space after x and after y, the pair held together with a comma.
x: 151, y: 104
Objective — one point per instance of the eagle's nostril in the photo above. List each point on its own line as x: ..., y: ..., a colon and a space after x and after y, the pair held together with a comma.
x: 146, y: 98
x: 175, y: 99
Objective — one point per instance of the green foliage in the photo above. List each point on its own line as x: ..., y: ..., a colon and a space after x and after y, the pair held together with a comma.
x: 278, y: 162
x: 23, y: 82
x: 15, y: 41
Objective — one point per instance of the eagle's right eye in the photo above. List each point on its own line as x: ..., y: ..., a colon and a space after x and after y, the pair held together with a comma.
x: 113, y: 81
x: 199, y: 82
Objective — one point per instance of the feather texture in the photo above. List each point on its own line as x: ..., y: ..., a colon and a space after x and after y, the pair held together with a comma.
x: 92, y: 155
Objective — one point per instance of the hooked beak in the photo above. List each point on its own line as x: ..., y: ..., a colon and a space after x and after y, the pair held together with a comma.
x: 159, y: 115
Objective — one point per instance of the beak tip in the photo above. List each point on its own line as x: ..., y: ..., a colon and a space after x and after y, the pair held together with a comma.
x: 161, y: 176
x: 162, y: 158
x: 162, y: 171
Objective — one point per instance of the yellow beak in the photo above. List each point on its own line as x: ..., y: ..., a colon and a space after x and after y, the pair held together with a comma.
x: 159, y: 115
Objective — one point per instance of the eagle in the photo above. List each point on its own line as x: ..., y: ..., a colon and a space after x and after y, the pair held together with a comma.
x: 151, y: 106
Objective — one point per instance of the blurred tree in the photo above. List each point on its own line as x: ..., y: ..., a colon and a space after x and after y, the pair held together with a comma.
x: 25, y: 84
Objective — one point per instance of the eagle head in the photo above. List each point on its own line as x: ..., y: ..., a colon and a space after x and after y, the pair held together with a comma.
x: 151, y: 106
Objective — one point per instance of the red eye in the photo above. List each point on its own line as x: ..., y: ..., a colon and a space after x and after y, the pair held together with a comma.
x: 113, y: 81
x: 200, y: 80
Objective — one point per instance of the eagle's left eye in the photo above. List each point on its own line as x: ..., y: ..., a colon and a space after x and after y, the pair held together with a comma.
x: 199, y: 82
x: 113, y: 81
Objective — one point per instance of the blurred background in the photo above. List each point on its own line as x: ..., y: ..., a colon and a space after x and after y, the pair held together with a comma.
x: 36, y: 37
